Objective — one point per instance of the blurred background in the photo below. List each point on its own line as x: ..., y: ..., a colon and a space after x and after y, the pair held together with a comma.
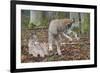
x: 31, y: 19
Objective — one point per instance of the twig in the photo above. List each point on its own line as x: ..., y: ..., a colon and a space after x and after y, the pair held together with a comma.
x: 74, y: 43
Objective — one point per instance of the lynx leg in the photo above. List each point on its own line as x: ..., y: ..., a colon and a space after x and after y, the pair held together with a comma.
x: 58, y: 48
x: 67, y: 36
x: 50, y: 41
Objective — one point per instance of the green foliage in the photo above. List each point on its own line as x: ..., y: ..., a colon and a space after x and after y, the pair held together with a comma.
x: 25, y: 21
x: 31, y: 25
x: 76, y: 30
x: 86, y: 24
x: 44, y: 22
x: 60, y: 15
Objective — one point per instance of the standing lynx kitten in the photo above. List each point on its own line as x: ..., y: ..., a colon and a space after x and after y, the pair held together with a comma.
x: 57, y: 28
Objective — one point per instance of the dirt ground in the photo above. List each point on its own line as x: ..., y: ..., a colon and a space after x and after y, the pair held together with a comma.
x: 75, y: 50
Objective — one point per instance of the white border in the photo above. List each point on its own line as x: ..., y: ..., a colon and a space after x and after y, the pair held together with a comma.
x: 20, y: 65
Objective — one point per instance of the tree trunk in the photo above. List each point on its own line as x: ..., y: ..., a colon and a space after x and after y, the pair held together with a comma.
x: 35, y: 17
x: 80, y: 24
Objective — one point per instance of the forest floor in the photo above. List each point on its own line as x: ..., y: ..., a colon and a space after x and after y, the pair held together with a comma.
x: 75, y: 50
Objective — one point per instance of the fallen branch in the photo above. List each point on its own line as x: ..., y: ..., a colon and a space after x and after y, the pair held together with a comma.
x: 74, y: 43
